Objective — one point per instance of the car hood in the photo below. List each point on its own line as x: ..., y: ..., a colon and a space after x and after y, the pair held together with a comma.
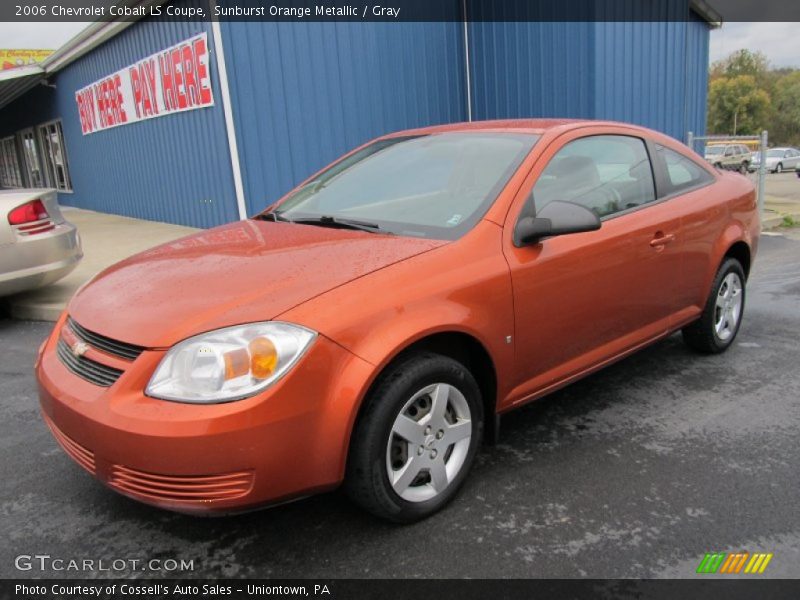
x: 238, y: 273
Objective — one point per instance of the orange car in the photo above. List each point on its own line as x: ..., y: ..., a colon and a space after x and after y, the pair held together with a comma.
x: 373, y: 324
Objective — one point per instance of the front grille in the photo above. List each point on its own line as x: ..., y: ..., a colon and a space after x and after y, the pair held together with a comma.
x: 181, y: 488
x: 78, y: 453
x: 86, y: 368
x: 107, y: 345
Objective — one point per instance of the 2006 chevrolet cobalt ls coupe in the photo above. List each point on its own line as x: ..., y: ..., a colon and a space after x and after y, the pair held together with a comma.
x: 368, y: 327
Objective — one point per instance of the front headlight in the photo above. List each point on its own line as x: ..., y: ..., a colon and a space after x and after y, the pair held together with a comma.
x: 229, y: 364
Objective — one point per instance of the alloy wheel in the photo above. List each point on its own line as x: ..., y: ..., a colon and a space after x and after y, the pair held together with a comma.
x: 728, y: 307
x: 429, y: 442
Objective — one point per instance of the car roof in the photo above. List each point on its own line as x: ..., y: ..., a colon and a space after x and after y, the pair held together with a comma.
x: 533, y: 126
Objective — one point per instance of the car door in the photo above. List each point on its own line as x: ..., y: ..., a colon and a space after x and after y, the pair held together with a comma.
x: 792, y: 159
x: 741, y: 155
x: 583, y: 299
x: 730, y: 157
x: 684, y: 191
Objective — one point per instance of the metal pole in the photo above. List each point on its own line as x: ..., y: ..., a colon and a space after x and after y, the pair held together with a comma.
x: 762, y: 173
x: 227, y: 111
x: 467, y: 77
x: 690, y: 140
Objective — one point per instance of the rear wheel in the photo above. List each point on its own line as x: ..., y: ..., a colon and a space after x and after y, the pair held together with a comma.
x: 416, y: 438
x: 719, y: 323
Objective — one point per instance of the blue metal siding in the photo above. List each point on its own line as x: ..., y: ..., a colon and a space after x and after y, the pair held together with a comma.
x: 697, y: 39
x: 174, y: 168
x: 640, y: 74
x: 530, y: 69
x: 652, y: 73
x: 304, y: 93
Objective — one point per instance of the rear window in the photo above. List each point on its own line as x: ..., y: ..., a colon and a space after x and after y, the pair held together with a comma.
x: 682, y: 172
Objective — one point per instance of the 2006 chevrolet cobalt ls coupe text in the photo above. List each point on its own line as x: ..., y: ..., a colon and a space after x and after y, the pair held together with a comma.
x: 371, y: 325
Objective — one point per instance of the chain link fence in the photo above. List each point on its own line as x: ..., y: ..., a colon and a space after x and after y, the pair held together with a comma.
x: 756, y: 167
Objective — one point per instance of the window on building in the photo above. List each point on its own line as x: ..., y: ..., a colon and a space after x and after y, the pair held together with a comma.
x: 10, y: 174
x: 683, y: 173
x: 54, y: 156
x: 31, y: 157
x: 605, y: 173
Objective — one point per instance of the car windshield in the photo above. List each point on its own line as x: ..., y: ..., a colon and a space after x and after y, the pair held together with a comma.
x: 437, y: 185
x: 775, y: 153
x: 715, y: 149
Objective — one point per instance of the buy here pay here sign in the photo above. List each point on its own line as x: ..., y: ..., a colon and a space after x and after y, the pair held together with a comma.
x: 172, y: 80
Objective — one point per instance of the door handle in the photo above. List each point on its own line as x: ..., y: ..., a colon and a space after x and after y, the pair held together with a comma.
x: 662, y: 240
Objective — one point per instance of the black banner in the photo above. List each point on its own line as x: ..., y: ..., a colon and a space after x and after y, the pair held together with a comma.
x: 436, y: 589
x: 713, y: 11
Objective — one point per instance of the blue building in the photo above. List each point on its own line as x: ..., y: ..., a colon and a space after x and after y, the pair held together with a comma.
x: 201, y: 123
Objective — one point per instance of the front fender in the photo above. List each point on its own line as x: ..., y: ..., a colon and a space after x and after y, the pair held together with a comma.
x: 463, y: 287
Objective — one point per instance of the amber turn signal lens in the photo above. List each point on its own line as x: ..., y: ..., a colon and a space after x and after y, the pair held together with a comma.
x: 263, y: 358
x: 237, y: 363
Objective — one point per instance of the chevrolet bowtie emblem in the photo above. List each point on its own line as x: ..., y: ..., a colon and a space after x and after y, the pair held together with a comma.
x: 79, y: 349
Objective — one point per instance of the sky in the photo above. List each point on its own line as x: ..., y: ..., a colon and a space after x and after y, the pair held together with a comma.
x: 780, y: 42
x: 46, y: 36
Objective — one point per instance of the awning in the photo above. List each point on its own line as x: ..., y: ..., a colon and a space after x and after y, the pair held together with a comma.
x: 15, y: 82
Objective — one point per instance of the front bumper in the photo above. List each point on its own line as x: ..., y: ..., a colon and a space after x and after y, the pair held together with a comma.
x: 39, y: 260
x: 289, y: 441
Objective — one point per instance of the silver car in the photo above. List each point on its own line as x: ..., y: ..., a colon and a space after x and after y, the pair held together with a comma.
x: 37, y: 245
x: 778, y: 159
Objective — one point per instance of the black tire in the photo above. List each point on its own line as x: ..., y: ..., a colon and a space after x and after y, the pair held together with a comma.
x: 366, y: 480
x: 701, y: 335
x: 778, y: 168
x: 744, y: 167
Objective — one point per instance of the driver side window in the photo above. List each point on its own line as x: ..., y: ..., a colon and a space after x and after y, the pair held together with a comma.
x: 605, y: 173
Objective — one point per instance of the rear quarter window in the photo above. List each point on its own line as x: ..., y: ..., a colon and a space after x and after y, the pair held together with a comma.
x: 682, y: 172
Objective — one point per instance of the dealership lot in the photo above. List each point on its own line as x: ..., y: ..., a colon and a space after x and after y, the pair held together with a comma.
x: 637, y: 471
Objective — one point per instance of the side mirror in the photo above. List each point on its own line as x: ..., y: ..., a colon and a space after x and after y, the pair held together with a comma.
x: 556, y: 218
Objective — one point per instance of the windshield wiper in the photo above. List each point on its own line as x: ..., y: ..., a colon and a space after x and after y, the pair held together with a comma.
x: 273, y: 215
x: 328, y: 221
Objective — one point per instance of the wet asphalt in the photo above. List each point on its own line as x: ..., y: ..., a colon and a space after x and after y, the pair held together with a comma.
x: 636, y: 471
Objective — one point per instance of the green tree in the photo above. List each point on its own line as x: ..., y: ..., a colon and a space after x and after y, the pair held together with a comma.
x: 786, y: 104
x: 743, y: 62
x: 737, y: 106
